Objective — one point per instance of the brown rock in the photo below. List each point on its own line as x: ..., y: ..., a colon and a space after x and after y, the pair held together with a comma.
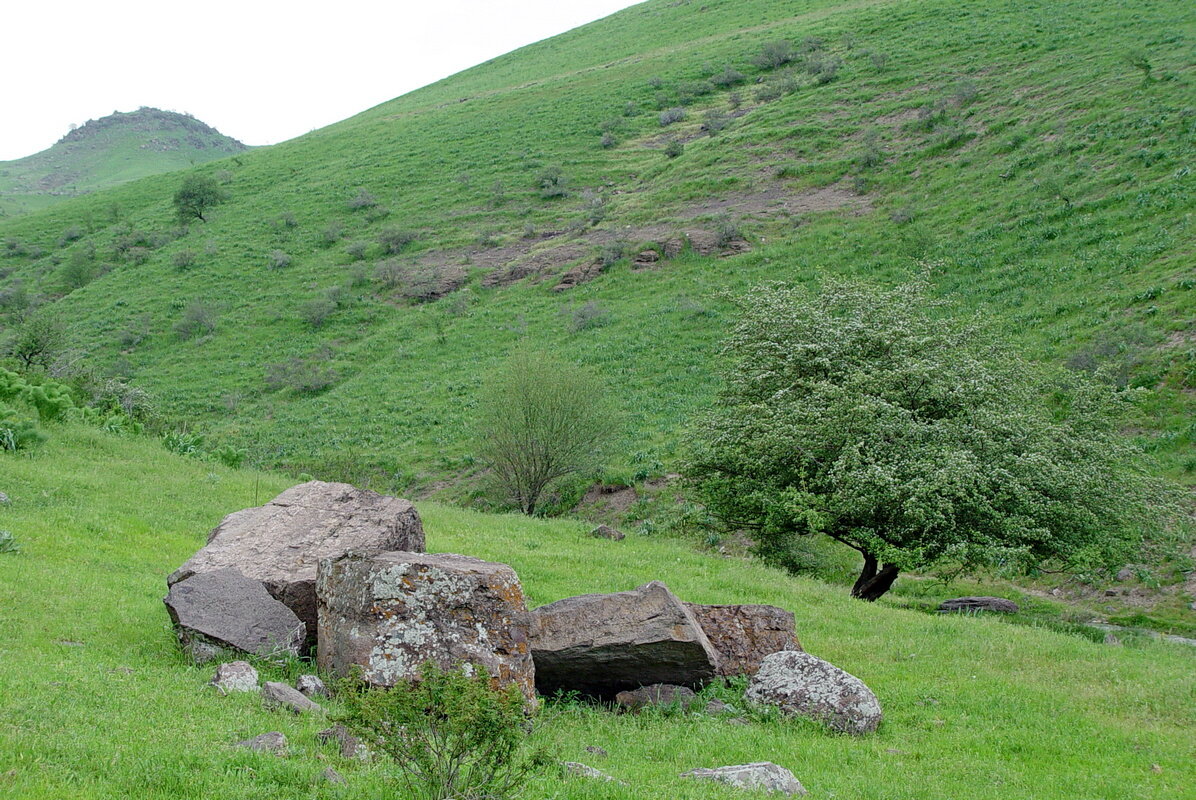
x: 389, y: 613
x: 658, y: 694
x: 607, y: 532
x: 223, y: 611
x: 601, y: 644
x: 281, y: 542
x: 744, y: 635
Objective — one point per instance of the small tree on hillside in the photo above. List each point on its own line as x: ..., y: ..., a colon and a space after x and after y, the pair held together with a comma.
x: 196, y: 196
x: 873, y: 418
x: 541, y: 419
x: 38, y: 340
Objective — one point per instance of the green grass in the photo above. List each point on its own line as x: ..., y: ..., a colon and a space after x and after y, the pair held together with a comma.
x: 96, y: 702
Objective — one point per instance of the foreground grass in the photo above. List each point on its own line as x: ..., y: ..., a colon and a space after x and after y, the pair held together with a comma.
x: 95, y: 701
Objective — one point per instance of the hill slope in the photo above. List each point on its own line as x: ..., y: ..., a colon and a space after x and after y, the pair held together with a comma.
x: 96, y: 701
x: 108, y: 151
x: 1010, y: 150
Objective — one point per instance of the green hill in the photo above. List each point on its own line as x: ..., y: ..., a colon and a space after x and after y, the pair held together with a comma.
x: 96, y: 701
x: 1033, y: 158
x: 104, y: 152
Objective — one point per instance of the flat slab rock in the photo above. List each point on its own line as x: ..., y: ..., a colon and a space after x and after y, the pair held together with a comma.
x: 803, y: 685
x: 282, y: 542
x: 235, y: 676
x: 997, y: 604
x: 272, y: 742
x: 760, y: 775
x: 227, y: 610
x: 279, y: 695
x: 744, y: 635
x: 602, y: 644
x: 387, y: 614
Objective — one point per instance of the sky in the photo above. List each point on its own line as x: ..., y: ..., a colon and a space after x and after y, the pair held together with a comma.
x: 260, y: 71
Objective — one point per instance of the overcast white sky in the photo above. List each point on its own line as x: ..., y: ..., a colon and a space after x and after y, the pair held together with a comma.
x: 261, y: 71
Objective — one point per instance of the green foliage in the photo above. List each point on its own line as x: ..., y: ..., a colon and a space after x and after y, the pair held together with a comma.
x: 451, y: 734
x: 17, y: 433
x: 183, y: 443
x: 197, y: 195
x: 539, y: 420
x: 8, y: 542
x: 52, y: 400
x: 553, y: 183
x: 39, y: 338
x: 875, y: 418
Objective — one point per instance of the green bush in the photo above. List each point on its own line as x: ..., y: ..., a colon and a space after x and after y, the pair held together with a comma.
x: 451, y: 734
x: 8, y: 543
x: 16, y: 433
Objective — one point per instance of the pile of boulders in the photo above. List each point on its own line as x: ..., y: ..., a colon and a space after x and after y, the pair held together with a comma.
x: 341, y: 570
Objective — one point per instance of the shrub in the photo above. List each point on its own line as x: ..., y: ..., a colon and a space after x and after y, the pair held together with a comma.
x: 184, y: 259
x: 278, y: 259
x: 137, y: 255
x: 728, y: 77
x: 594, y: 206
x: 880, y: 61
x: 774, y: 54
x: 16, y: 433
x: 8, y: 543
x: 229, y: 456
x: 362, y: 200
x: 332, y: 233
x: 308, y: 374
x: 587, y: 316
x: 390, y: 273
x: 356, y: 250
x: 393, y: 240
x: 726, y: 230
x: 611, y: 252
x: 870, y: 155
x: 498, y: 194
x: 183, y: 443
x: 630, y: 109
x: 671, y: 115
x: 79, y: 269
x: 824, y: 70
x: 965, y: 93
x: 715, y: 121
x: 734, y: 100
x: 674, y: 148
x: 690, y: 91
x: 552, y: 183
x: 40, y: 338
x: 199, y: 319
x: 315, y: 312
x: 71, y: 234
x: 451, y: 733
x: 287, y: 220
x: 608, y: 140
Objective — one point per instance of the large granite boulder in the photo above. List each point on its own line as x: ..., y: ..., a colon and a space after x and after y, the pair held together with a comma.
x: 224, y: 610
x: 762, y: 775
x: 998, y: 605
x: 802, y: 685
x: 744, y: 634
x: 387, y: 614
x: 602, y: 644
x: 281, y: 542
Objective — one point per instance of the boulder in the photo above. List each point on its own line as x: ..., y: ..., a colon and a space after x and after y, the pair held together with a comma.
x: 762, y: 775
x: 802, y: 685
x: 272, y: 742
x: 607, y: 532
x: 602, y: 644
x: 658, y: 694
x: 389, y: 613
x: 311, y: 686
x: 279, y: 695
x: 235, y: 676
x: 579, y: 770
x: 744, y: 634
x: 348, y: 744
x: 281, y: 542
x: 998, y: 604
x: 224, y: 610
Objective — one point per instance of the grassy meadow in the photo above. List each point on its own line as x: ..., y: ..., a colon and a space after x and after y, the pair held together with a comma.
x: 97, y: 702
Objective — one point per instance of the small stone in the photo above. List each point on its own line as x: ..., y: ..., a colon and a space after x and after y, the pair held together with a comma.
x: 332, y: 776
x: 272, y: 742
x: 607, y: 532
x: 235, y: 676
x: 311, y: 686
x: 1111, y: 592
x: 658, y: 694
x: 760, y: 775
x: 350, y: 746
x: 594, y: 749
x: 999, y: 605
x: 582, y: 771
x: 1124, y: 574
x: 279, y: 694
x: 738, y: 721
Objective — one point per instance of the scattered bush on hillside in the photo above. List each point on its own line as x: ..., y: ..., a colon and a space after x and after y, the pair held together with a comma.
x: 630, y: 109
x: 715, y: 121
x: 17, y: 433
x: 223, y: 176
x: 584, y: 317
x: 14, y: 297
x: 362, y: 200
x: 394, y: 240
x: 540, y: 419
x: 880, y: 61
x: 726, y: 230
x: 593, y: 206
x: 728, y: 77
x: 315, y: 312
x: 462, y: 737
x: 72, y: 234
x: 775, y: 54
x: 916, y: 439
x: 287, y: 220
x: 965, y: 93
x: 79, y: 269
x: 332, y: 233
x: 390, y: 273
x: 608, y: 140
x: 39, y: 338
x: 377, y: 214
x: 356, y: 250
x: 612, y: 252
x: 498, y: 194
x: 184, y: 260
x: 663, y: 100
x: 310, y: 374
x: 824, y: 70
x: 871, y: 155
x: 197, y: 195
x: 689, y: 91
x: 14, y: 247
x: 655, y: 81
x: 183, y: 443
x: 674, y: 148
x: 199, y: 319
x: 552, y: 183
x: 734, y: 100
x: 1140, y: 60
x: 278, y: 259
x: 671, y: 115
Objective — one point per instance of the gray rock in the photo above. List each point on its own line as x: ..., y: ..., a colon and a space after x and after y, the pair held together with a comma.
x: 594, y: 749
x: 717, y: 706
x: 658, y: 694
x: 998, y: 604
x: 281, y: 542
x: 348, y: 744
x: 235, y: 676
x: 744, y: 634
x: 762, y: 775
x: 601, y: 644
x: 802, y: 685
x: 1125, y: 574
x: 273, y: 742
x: 580, y: 770
x: 329, y: 775
x: 311, y: 686
x: 280, y: 695
x: 4, y: 499
x: 385, y: 615
x: 607, y: 532
x: 225, y: 609
x: 202, y: 652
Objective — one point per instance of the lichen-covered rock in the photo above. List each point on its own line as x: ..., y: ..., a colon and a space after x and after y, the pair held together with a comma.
x: 389, y: 613
x: 281, y: 543
x: 235, y: 676
x: 802, y: 685
x: 658, y: 694
x: 279, y: 695
x: 760, y: 775
x: 224, y: 610
x: 311, y: 686
x: 579, y: 770
x: 744, y: 634
x: 997, y: 604
x: 602, y: 644
x: 272, y: 742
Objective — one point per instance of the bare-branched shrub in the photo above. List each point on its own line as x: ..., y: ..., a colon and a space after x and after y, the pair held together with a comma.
x: 394, y: 240
x: 608, y: 140
x: 586, y: 316
x: 880, y: 61
x: 552, y: 183
x: 728, y: 77
x: 593, y: 206
x: 332, y: 233
x: 308, y: 374
x: 278, y: 259
x: 362, y: 200
x: 715, y: 121
x: 356, y: 250
x: 315, y: 312
x: 184, y: 259
x: 774, y: 54
x: 671, y: 115
x: 726, y: 230
x: 199, y: 319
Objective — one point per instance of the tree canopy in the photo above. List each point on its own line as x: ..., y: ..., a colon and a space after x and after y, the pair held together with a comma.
x: 197, y: 194
x: 876, y: 418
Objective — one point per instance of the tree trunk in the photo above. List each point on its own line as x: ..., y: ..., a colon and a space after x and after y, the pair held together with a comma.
x: 873, y: 582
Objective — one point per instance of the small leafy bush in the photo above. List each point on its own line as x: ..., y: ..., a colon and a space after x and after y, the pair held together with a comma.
x: 332, y: 233
x: 184, y: 259
x: 674, y: 148
x: 715, y: 121
x: 198, y: 319
x: 278, y: 259
x: 552, y: 183
x: 775, y: 54
x: 394, y: 240
x: 17, y: 433
x: 316, y: 312
x: 587, y: 316
x: 726, y: 230
x: 356, y: 250
x: 310, y: 374
x: 728, y: 77
x: 183, y: 443
x: 450, y: 733
x: 362, y: 200
x: 671, y: 115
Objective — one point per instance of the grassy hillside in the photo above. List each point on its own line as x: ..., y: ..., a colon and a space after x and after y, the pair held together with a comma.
x: 96, y: 702
x: 1032, y: 157
x: 104, y: 152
